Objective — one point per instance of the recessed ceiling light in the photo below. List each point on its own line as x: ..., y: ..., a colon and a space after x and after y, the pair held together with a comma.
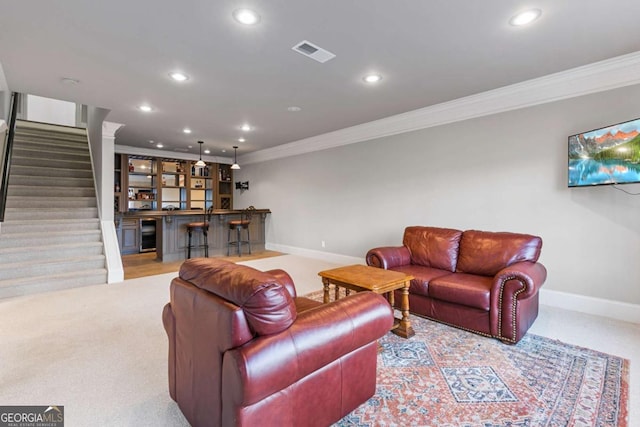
x: 241, y: 139
x: 159, y: 145
x: 526, y: 17
x: 224, y: 150
x: 178, y: 76
x: 246, y: 16
x: 151, y: 141
x: 186, y: 130
x: 245, y: 127
x: 207, y: 151
x: 145, y: 108
x: 294, y: 109
x: 372, y: 78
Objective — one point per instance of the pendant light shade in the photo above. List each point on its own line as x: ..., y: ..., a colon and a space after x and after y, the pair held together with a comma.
x: 235, y: 164
x: 200, y: 163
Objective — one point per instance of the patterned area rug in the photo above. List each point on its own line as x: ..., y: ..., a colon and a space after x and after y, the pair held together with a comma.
x: 447, y: 377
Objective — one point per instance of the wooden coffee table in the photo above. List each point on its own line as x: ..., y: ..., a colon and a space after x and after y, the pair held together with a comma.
x: 364, y: 278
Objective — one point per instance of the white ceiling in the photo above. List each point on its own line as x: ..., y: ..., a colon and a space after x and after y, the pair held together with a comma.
x: 428, y: 51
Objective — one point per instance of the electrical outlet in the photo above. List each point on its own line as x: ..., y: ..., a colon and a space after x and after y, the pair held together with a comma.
x: 322, y: 243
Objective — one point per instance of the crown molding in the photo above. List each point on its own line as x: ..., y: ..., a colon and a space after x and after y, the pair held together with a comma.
x: 592, y: 78
x: 154, y: 152
x: 109, y: 129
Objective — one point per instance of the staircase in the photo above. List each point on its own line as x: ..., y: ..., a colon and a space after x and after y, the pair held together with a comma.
x: 51, y: 237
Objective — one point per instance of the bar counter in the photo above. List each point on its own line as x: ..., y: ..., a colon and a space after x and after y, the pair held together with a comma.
x: 171, y: 232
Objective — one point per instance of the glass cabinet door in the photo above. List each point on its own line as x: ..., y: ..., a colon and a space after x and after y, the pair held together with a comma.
x: 174, y: 184
x: 201, y: 186
x: 142, y: 189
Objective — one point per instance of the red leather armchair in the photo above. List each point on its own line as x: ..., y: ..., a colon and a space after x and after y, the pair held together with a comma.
x: 244, y: 349
x: 481, y: 281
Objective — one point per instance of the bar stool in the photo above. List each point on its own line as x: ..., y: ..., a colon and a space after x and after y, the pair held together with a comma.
x: 238, y: 225
x: 200, y: 226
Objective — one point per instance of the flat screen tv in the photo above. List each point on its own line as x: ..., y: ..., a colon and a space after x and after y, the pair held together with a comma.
x: 609, y: 155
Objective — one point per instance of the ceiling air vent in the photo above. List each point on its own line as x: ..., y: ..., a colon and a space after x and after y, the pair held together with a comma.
x: 312, y: 51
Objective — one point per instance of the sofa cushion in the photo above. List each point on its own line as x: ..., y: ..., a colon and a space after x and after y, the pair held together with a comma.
x: 465, y: 289
x: 267, y: 305
x: 486, y: 253
x: 432, y: 246
x: 421, y: 277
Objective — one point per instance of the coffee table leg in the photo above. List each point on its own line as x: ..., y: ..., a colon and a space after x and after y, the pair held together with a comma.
x: 325, y: 296
x: 405, y: 330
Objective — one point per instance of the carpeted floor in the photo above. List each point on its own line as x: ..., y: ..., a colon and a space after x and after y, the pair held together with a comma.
x: 101, y: 352
x: 449, y: 377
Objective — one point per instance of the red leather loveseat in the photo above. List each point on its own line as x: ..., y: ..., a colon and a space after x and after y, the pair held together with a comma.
x: 480, y: 281
x: 245, y: 350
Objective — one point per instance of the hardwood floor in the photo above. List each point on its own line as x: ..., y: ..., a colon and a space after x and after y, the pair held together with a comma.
x: 146, y: 264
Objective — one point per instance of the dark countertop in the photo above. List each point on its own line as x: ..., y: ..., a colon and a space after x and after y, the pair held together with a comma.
x: 156, y: 213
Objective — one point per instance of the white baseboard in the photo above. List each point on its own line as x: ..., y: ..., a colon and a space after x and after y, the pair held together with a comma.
x: 584, y: 304
x: 310, y: 253
x: 590, y: 305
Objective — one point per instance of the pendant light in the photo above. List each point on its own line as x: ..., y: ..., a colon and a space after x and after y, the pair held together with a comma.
x: 200, y: 163
x: 235, y: 164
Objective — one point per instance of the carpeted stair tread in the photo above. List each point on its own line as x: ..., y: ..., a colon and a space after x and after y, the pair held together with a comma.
x: 60, y: 163
x: 50, y: 225
x: 50, y: 156
x: 59, y: 139
x: 67, y: 141
x: 60, y: 246
x: 49, y: 267
x: 49, y: 190
x: 63, y: 250
x: 59, y: 182
x: 51, y: 151
x: 52, y: 171
x: 50, y: 213
x: 57, y: 237
x: 46, y: 167
x: 50, y: 130
x: 74, y: 142
x: 51, y: 202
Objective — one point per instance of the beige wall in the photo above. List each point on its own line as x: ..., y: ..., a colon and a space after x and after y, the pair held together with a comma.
x: 47, y: 110
x: 505, y: 172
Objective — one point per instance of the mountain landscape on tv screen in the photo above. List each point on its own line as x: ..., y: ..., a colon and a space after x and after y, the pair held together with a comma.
x: 609, y: 155
x: 608, y: 145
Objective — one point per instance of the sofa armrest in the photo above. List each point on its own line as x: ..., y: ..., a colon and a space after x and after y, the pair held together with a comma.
x: 531, y: 276
x: 317, y: 338
x: 388, y: 256
x: 514, y: 303
x: 285, y: 280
